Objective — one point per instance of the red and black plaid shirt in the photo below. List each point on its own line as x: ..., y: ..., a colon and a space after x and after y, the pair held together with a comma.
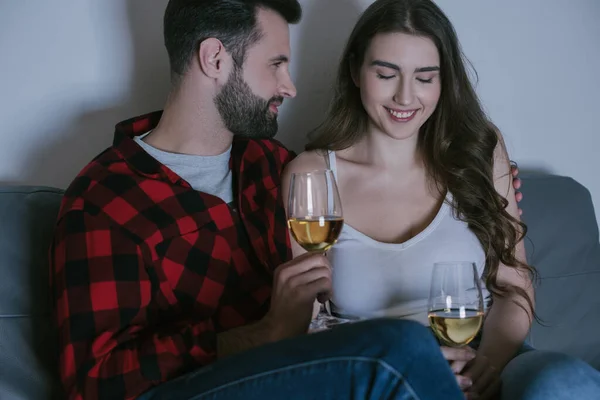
x: 146, y: 271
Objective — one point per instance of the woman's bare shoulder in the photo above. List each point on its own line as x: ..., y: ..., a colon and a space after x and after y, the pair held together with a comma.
x: 307, y: 161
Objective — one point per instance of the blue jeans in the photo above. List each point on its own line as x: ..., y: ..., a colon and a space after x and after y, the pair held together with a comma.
x: 377, y: 359
x: 536, y: 375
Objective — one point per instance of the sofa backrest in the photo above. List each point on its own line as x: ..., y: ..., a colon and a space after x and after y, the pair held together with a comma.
x: 563, y: 245
x: 27, y: 340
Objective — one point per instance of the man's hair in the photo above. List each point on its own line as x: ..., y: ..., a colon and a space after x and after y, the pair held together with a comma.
x: 187, y: 23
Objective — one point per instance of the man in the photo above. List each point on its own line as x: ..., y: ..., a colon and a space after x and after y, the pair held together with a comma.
x: 171, y: 266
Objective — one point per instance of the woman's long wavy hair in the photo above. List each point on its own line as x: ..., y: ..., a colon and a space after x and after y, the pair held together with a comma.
x: 457, y: 142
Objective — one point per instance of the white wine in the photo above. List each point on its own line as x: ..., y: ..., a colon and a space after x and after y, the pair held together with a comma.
x: 316, y: 234
x: 455, y: 327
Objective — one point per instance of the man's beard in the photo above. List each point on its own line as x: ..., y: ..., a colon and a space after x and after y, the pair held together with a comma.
x: 243, y: 112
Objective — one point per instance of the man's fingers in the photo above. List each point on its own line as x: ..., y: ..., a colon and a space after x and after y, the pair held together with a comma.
x: 514, y: 170
x: 309, y: 276
x: 307, y: 261
x: 322, y: 298
x: 320, y: 287
x: 458, y: 353
x: 300, y: 265
x: 519, y: 196
x: 517, y: 183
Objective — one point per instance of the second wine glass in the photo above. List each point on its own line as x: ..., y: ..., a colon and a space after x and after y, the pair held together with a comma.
x: 455, y: 308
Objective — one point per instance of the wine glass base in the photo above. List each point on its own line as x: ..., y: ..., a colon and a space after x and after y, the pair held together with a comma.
x: 324, y: 322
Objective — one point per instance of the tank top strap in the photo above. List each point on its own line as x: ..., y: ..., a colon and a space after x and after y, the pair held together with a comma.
x: 331, y: 163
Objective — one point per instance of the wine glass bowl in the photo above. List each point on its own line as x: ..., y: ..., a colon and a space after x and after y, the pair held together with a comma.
x: 455, y: 307
x: 314, y: 210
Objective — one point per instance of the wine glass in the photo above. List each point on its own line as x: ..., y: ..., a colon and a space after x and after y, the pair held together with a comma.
x: 315, y: 212
x: 455, y: 308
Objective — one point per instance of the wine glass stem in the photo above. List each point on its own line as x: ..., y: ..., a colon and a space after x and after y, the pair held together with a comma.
x: 326, y: 306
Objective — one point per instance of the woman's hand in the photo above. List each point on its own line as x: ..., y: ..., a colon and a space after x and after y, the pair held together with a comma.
x: 476, y: 377
x: 458, y: 357
x: 485, y: 378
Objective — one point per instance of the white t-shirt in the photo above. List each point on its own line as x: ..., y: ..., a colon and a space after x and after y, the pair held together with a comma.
x: 375, y: 279
x: 207, y: 174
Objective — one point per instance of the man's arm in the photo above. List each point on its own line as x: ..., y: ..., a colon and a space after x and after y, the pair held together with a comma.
x: 295, y: 288
x: 103, y: 297
x: 245, y: 338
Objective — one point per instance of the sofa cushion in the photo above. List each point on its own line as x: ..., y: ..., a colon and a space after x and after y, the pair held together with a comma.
x: 562, y: 243
x: 27, y: 342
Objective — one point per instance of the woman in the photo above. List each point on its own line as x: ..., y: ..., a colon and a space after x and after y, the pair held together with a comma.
x: 423, y: 177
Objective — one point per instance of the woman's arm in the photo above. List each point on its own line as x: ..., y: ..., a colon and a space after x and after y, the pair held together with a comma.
x: 509, y: 318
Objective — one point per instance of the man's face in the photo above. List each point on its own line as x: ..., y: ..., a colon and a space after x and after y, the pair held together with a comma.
x: 249, y: 101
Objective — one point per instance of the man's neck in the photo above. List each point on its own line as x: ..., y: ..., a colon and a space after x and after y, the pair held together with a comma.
x: 190, y: 124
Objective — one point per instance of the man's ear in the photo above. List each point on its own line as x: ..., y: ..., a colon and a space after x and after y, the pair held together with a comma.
x: 212, y: 58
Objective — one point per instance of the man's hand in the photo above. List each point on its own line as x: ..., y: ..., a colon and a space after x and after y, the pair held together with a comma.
x: 514, y: 170
x: 296, y: 286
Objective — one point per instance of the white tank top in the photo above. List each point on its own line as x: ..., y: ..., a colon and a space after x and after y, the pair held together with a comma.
x: 376, y: 279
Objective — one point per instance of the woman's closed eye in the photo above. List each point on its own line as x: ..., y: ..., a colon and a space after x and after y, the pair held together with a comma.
x: 422, y: 80
x: 387, y: 77
x: 380, y: 76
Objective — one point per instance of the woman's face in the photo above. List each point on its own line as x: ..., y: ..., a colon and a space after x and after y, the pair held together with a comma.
x: 399, y: 83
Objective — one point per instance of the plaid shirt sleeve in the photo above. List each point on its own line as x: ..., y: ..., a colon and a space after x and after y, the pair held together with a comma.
x: 102, y: 292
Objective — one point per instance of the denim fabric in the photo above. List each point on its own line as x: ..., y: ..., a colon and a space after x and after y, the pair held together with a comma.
x: 377, y: 359
x: 545, y: 375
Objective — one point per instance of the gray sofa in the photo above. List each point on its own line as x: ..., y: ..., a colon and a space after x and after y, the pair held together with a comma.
x: 562, y: 243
